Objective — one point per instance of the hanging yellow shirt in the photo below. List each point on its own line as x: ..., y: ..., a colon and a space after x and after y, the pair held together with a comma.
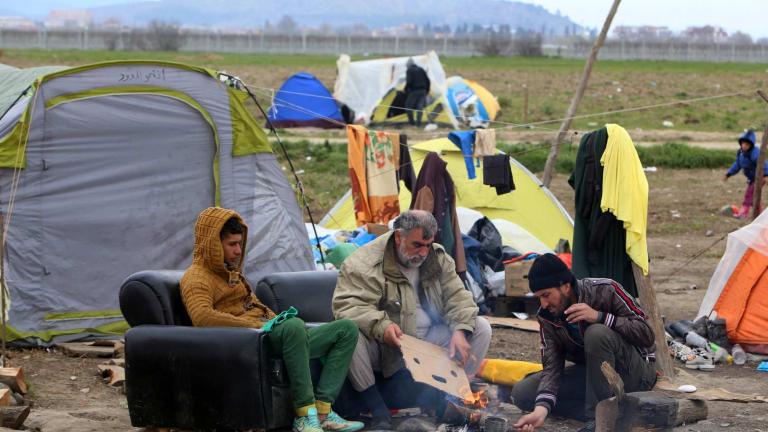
x: 625, y: 191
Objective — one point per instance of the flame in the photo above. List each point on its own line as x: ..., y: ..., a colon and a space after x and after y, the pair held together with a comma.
x: 477, y: 400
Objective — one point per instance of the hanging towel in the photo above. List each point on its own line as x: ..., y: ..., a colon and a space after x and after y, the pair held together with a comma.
x: 625, y: 191
x: 405, y: 171
x: 497, y: 172
x: 372, y: 159
x: 357, y: 141
x: 485, y: 143
x: 465, y: 140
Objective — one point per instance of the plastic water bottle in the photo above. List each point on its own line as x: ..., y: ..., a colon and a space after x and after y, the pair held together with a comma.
x: 739, y: 356
x: 693, y: 339
x: 721, y: 355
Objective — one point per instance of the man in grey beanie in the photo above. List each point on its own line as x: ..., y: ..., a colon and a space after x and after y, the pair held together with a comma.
x: 587, y: 322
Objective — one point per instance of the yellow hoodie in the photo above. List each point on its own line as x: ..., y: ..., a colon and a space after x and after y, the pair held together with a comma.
x: 213, y: 295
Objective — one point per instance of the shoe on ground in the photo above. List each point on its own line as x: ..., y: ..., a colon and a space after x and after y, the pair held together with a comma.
x: 680, y: 351
x: 307, y: 423
x: 380, y: 424
x: 588, y: 427
x: 702, y: 360
x: 334, y: 423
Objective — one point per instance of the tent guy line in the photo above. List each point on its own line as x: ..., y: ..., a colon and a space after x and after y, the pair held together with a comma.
x: 693, y: 257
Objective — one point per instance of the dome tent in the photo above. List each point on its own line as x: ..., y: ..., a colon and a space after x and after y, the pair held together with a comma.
x: 303, y: 101
x: 110, y: 164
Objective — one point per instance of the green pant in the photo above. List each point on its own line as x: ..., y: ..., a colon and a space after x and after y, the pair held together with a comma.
x: 333, y: 342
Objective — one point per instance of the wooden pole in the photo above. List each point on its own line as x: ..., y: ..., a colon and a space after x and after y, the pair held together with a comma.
x: 759, y: 169
x: 552, y: 158
x: 648, y: 301
x: 525, y: 104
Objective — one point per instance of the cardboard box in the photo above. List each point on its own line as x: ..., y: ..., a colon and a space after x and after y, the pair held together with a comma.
x: 516, y: 278
x: 376, y: 229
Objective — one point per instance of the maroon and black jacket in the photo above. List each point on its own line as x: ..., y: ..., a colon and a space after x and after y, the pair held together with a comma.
x: 617, y: 309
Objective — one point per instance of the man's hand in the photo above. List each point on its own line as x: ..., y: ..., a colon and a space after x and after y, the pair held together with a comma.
x: 529, y: 422
x: 392, y: 335
x: 581, y: 312
x: 725, y: 177
x: 460, y: 346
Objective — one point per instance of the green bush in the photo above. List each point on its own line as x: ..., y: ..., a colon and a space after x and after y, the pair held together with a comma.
x: 668, y: 155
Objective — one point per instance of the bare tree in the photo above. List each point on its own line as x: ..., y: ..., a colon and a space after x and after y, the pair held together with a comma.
x: 137, y: 40
x: 164, y: 36
x: 287, y: 25
x: 111, y: 39
x: 494, y: 46
x: 529, y: 45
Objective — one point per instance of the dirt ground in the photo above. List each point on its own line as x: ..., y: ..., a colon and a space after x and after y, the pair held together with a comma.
x: 683, y: 222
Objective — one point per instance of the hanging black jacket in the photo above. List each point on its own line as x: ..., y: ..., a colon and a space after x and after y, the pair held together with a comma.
x: 599, y: 239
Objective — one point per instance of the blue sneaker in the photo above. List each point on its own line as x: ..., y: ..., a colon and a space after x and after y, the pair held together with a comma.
x: 334, y: 423
x: 308, y: 423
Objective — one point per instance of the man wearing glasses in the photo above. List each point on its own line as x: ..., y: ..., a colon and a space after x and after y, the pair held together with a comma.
x: 404, y: 283
x: 217, y: 295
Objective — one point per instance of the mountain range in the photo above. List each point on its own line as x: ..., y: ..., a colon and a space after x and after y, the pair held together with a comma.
x: 334, y: 13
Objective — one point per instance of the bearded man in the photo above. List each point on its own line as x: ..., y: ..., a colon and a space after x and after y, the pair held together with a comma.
x: 404, y: 283
x: 587, y: 322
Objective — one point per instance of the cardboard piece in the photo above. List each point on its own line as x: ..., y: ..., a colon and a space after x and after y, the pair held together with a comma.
x: 516, y: 278
x: 86, y: 349
x: 376, y: 229
x: 708, y: 394
x: 525, y: 325
x: 430, y: 364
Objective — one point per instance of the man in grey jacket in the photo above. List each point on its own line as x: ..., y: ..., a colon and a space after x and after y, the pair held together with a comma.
x: 404, y: 283
x: 587, y: 322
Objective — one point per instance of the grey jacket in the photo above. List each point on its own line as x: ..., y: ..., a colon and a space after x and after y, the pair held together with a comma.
x: 372, y: 291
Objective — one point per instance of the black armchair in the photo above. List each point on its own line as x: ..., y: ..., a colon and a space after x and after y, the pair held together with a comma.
x: 210, y: 378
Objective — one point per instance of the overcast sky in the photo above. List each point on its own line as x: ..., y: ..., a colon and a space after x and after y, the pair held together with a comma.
x: 732, y: 15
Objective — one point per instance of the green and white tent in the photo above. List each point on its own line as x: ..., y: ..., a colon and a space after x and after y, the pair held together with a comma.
x: 103, y: 171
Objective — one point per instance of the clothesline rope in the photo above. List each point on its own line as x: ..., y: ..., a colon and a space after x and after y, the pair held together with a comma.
x: 535, y: 148
x: 510, y: 125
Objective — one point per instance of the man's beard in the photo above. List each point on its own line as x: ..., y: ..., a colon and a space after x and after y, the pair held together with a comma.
x: 410, y: 261
x: 566, y: 303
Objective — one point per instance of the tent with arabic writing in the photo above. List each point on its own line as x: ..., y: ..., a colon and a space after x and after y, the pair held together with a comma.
x: 103, y: 171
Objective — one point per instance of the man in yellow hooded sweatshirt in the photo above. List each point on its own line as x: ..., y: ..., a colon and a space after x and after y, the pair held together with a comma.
x: 216, y: 294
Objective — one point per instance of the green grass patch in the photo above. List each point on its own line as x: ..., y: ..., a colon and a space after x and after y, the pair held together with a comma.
x: 208, y: 59
x: 562, y: 64
x: 322, y: 169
